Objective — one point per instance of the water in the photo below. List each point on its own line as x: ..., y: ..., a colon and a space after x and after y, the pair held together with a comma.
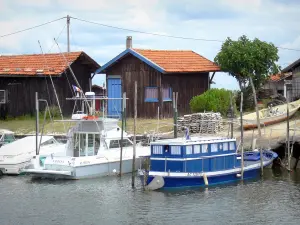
x: 275, y: 199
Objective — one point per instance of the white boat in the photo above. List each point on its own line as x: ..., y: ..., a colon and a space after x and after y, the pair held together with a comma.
x: 89, y: 154
x: 272, y: 115
x: 92, y: 150
x: 18, y: 154
x: 6, y: 137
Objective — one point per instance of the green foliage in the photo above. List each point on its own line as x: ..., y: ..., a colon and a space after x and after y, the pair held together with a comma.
x: 245, y: 58
x: 216, y: 100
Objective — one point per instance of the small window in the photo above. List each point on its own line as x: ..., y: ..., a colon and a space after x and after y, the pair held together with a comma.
x: 231, y: 146
x: 2, y: 96
x: 167, y: 94
x: 225, y: 146
x: 126, y: 143
x: 196, y: 149
x: 204, y: 148
x: 189, y: 150
x: 214, y: 147
x: 114, y: 144
x: 157, y: 150
x: 151, y: 94
x: 175, y: 150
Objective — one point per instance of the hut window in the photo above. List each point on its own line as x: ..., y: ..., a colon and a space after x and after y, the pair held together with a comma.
x: 189, y: 150
x: 167, y: 94
x: 204, y: 148
x: 231, y: 146
x: 2, y: 96
x: 175, y: 150
x: 151, y: 94
x: 214, y: 147
x: 196, y: 149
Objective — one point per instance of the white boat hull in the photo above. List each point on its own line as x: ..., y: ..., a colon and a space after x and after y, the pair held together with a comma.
x: 85, y: 171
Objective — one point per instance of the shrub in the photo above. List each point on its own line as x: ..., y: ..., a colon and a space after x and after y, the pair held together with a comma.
x: 216, y: 100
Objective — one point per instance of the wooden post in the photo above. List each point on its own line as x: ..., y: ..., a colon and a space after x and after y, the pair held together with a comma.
x: 256, y: 107
x: 37, y: 123
x: 122, y: 130
x: 242, y: 137
x: 134, y: 134
x: 175, y: 96
x: 288, y: 127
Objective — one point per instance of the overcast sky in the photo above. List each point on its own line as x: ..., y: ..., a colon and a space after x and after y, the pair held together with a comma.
x: 274, y: 21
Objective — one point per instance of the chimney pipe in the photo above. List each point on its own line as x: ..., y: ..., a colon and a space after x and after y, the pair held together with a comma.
x: 129, y: 42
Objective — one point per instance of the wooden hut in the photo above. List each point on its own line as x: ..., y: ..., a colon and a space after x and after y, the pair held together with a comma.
x: 23, y: 75
x: 158, y: 74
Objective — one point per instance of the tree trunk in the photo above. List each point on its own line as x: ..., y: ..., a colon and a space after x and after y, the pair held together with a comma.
x: 256, y: 106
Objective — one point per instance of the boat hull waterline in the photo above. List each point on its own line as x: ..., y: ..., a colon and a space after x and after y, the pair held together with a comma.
x: 165, y: 180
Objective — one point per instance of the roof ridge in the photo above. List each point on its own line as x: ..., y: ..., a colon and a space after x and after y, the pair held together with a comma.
x: 38, y: 54
x: 162, y: 50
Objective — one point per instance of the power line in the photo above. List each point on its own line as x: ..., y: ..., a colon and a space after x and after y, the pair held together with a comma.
x: 144, y: 32
x: 57, y: 37
x: 30, y: 28
x: 162, y: 35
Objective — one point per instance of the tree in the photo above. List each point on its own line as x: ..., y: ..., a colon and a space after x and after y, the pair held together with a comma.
x: 250, y: 62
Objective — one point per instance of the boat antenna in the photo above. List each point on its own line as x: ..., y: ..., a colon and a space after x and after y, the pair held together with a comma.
x: 68, y: 64
x: 46, y: 63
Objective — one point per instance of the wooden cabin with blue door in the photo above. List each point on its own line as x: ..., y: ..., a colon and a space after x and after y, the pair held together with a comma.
x: 158, y: 73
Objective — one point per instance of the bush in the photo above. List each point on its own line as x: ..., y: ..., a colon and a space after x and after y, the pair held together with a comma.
x: 216, y: 100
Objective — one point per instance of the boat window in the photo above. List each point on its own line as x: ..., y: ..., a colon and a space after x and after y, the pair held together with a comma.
x: 82, y: 144
x: 76, y: 145
x: 175, y: 150
x: 90, y: 150
x: 126, y: 143
x: 225, y: 146
x: 214, y: 147
x: 49, y: 142
x: 114, y: 144
x: 189, y: 150
x: 196, y: 149
x: 231, y: 146
x: 97, y: 143
x: 204, y: 148
x: 8, y: 138
x: 157, y: 150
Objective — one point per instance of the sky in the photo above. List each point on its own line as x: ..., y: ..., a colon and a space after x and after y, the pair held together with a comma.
x: 273, y: 21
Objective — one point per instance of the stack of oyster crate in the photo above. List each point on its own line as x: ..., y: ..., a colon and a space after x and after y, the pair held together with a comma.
x: 206, y: 122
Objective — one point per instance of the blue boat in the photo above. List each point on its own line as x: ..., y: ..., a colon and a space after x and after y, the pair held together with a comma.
x: 200, y: 161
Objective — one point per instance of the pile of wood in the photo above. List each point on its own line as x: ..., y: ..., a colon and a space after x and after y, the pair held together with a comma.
x: 207, y: 122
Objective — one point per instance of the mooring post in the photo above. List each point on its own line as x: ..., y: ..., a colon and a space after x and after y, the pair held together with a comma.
x: 37, y: 123
x: 231, y: 115
x: 122, y: 130
x: 175, y: 96
x: 134, y: 135
x: 288, y: 130
x: 242, y: 137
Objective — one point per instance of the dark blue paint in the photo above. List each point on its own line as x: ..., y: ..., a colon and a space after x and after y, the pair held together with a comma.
x: 114, y: 89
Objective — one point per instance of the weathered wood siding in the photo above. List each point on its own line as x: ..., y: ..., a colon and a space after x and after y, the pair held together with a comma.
x: 21, y: 90
x: 187, y: 85
x: 132, y: 69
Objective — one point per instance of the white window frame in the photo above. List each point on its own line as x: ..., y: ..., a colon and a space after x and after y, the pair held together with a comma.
x: 3, y: 101
x: 225, y: 146
x: 204, y: 148
x: 231, y: 146
x: 197, y: 149
x: 189, y: 150
x: 214, y: 147
x: 157, y: 150
x: 175, y: 150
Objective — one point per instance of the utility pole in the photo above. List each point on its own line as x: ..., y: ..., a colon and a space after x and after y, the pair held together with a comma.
x: 68, y: 32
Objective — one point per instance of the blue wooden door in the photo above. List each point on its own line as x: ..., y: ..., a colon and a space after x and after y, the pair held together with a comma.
x: 114, y: 89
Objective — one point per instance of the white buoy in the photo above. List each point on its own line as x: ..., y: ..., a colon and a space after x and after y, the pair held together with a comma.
x: 238, y: 175
x: 114, y: 171
x: 205, y: 179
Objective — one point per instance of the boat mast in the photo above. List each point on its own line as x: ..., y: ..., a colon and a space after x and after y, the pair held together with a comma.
x: 68, y: 32
x: 242, y: 137
x: 134, y: 134
x: 37, y: 123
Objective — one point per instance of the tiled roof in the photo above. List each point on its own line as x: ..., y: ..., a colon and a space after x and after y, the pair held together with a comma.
x: 36, y: 64
x: 278, y: 77
x: 176, y: 61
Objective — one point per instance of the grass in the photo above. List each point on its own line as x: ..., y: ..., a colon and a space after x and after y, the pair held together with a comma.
x: 26, y: 125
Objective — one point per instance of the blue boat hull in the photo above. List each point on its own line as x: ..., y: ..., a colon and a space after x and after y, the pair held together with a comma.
x: 179, y: 182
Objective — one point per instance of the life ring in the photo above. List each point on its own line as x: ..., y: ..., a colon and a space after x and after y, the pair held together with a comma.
x: 90, y: 117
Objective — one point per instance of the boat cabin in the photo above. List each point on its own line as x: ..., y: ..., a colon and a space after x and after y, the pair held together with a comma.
x: 194, y: 156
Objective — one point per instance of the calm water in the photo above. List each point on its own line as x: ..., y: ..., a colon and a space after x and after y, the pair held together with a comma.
x: 273, y: 200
